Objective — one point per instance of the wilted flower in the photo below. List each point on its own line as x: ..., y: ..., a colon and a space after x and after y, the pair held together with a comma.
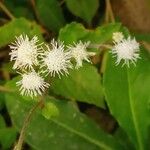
x: 55, y: 59
x: 127, y: 50
x: 24, y: 52
x: 32, y: 84
x: 117, y: 37
x: 79, y: 52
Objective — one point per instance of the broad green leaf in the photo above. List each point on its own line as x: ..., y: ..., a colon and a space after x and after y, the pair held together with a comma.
x: 50, y: 14
x: 72, y: 32
x: 85, y: 9
x: 75, y: 31
x: 17, y: 27
x: 128, y: 98
x: 7, y: 137
x: 83, y: 84
x: 70, y: 130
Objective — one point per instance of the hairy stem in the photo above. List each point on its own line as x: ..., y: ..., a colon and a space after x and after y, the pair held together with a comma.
x: 27, y: 120
x: 107, y: 46
x: 7, y: 12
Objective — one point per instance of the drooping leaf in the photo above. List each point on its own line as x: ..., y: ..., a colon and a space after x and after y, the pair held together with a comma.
x: 17, y: 27
x: 83, y: 85
x: 50, y: 14
x: 85, y: 9
x: 127, y: 94
x: 70, y: 130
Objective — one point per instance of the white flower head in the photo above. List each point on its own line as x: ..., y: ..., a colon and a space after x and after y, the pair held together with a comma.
x: 24, y: 52
x: 55, y: 59
x: 32, y: 84
x: 126, y: 50
x: 79, y: 52
x: 117, y: 37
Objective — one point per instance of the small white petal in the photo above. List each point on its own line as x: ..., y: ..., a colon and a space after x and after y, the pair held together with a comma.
x: 24, y: 52
x: 79, y: 53
x: 127, y: 50
x: 32, y: 84
x: 55, y: 59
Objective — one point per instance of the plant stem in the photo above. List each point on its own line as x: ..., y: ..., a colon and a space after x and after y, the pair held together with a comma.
x: 107, y: 46
x: 27, y: 120
x: 7, y: 12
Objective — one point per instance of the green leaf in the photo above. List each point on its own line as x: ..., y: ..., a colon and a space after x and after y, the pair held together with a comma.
x: 85, y: 9
x: 17, y: 27
x: 72, y: 32
x: 50, y: 110
x: 7, y: 137
x: 19, y: 8
x: 75, y: 31
x: 127, y: 94
x: 83, y: 84
x: 103, y: 33
x: 2, y: 122
x: 1, y: 100
x: 70, y: 130
x: 50, y: 14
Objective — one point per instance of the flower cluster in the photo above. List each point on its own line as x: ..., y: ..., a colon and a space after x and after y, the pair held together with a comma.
x: 125, y: 49
x: 54, y: 59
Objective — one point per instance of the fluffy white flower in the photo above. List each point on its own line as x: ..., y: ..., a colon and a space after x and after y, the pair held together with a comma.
x: 24, y: 52
x: 32, y: 84
x: 79, y: 52
x: 55, y: 59
x: 127, y: 50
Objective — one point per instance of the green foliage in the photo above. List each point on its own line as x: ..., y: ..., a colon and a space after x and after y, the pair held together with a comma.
x: 75, y: 31
x: 70, y: 126
x: 17, y: 27
x: 85, y: 9
x: 7, y: 137
x: 50, y: 110
x: 1, y: 100
x: 104, y: 33
x: 60, y: 122
x: 127, y: 94
x: 50, y: 14
x: 2, y: 122
x: 72, y: 33
x: 82, y: 85
x: 7, y: 134
x: 21, y: 8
